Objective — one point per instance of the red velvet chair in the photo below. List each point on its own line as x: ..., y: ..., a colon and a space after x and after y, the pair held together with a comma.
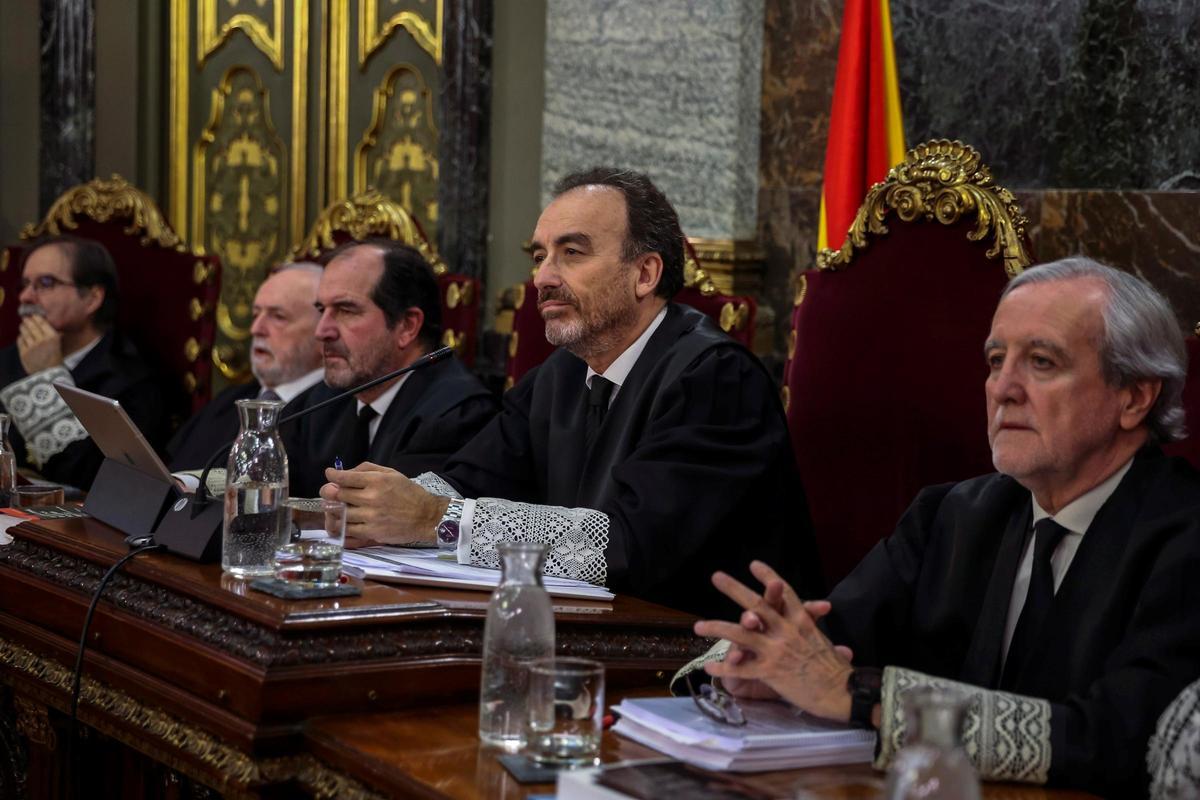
x: 371, y: 214
x: 168, y: 293
x: 885, y: 376
x: 527, y: 345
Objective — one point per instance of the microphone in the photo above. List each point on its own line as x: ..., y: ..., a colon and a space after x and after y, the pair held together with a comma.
x: 190, y: 527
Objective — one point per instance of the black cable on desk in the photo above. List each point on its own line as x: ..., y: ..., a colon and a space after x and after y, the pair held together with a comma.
x: 87, y: 623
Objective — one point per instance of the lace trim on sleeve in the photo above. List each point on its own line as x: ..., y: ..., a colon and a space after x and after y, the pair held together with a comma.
x: 435, y: 484
x: 575, y: 538
x: 1006, y: 736
x: 1173, y: 758
x: 41, y: 415
x: 715, y: 653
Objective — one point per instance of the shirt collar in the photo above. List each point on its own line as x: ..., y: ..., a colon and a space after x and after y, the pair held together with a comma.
x: 384, y: 401
x: 72, y: 361
x: 288, y: 391
x: 619, y: 370
x: 1077, y: 515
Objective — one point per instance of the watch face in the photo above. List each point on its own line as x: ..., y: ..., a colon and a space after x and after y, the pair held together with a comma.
x: 447, y: 531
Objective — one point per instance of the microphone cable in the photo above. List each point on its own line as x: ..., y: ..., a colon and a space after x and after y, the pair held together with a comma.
x: 77, y: 676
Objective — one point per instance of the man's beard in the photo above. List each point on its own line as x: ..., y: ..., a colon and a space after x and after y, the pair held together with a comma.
x: 596, y: 330
x: 277, y: 371
x: 358, y: 368
x: 30, y: 310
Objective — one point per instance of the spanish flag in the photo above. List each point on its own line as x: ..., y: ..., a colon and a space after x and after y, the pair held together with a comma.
x: 866, y: 127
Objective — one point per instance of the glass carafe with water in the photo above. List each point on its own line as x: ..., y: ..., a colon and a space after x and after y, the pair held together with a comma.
x: 256, y: 488
x: 518, y: 632
x: 8, y: 465
x: 933, y: 765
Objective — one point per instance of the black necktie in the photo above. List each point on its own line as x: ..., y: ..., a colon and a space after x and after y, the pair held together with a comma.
x: 269, y: 394
x: 1046, y: 536
x: 598, y: 396
x: 362, y: 436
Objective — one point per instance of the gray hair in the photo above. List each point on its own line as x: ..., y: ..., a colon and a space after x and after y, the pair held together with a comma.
x: 1142, y: 339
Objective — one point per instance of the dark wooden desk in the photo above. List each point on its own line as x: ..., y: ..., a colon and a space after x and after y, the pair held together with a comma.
x: 196, y: 672
x: 193, y: 681
x: 437, y: 755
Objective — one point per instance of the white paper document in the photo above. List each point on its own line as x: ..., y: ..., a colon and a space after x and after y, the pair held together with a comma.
x: 775, y: 736
x: 423, y: 566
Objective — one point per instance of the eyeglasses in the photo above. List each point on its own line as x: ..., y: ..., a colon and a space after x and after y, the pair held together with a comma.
x: 715, y: 703
x: 43, y: 283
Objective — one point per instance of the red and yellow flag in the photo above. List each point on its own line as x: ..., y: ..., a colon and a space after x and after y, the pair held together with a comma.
x: 866, y: 127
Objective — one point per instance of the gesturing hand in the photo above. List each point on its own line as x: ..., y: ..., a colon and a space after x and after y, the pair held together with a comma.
x: 39, y: 346
x: 383, y: 506
x: 778, y: 644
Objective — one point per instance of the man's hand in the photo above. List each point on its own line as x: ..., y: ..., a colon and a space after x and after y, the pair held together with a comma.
x: 383, y: 506
x: 777, y: 643
x: 39, y: 346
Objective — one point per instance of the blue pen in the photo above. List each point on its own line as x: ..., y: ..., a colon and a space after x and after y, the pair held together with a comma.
x: 337, y: 462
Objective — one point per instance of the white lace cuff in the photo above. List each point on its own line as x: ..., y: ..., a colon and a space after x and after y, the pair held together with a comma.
x: 575, y: 538
x: 1173, y: 758
x: 1006, y: 736
x: 715, y: 653
x: 41, y: 415
x: 435, y: 484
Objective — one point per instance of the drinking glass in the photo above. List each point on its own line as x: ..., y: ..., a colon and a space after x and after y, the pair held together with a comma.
x: 566, y: 711
x: 312, y: 555
x: 38, y: 495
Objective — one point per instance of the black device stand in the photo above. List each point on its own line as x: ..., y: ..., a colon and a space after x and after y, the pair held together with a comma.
x: 128, y: 499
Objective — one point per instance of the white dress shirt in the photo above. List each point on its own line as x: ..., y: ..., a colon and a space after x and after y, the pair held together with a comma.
x: 72, y: 361
x: 1076, y: 517
x: 287, y: 391
x: 381, y: 405
x: 619, y: 369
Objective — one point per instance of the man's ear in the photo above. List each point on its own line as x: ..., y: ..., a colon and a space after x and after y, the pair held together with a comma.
x: 1140, y: 397
x: 408, y: 327
x: 93, y: 298
x: 649, y: 273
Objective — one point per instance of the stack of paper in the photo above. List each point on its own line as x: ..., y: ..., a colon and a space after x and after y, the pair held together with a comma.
x: 775, y: 736
x: 424, y: 566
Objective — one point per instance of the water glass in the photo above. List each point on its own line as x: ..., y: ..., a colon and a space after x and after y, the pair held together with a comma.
x: 312, y: 555
x: 566, y: 711
x: 38, y: 495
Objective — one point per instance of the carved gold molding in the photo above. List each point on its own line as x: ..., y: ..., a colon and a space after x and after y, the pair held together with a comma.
x: 337, y: 184
x: 33, y: 722
x: 267, y: 35
x: 98, y: 700
x: 372, y: 35
x: 734, y: 266
x: 940, y: 180
x: 105, y: 200
x: 177, y: 138
x: 693, y: 276
x: 362, y: 216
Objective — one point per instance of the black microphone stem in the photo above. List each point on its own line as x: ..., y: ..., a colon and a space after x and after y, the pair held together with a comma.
x: 202, y: 495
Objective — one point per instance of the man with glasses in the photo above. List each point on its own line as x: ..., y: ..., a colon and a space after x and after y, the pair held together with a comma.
x: 68, y: 308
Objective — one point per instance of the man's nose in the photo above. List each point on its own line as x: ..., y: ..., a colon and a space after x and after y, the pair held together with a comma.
x: 259, y: 326
x: 1004, y: 385
x: 27, y: 295
x: 545, y: 274
x: 326, y: 330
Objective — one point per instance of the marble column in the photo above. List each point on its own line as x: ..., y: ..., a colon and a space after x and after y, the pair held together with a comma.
x: 464, y: 147
x: 669, y: 88
x: 68, y: 97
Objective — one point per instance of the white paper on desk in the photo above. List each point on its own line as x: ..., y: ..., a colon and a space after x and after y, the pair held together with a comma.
x: 422, y: 566
x: 6, y: 522
x: 768, y: 725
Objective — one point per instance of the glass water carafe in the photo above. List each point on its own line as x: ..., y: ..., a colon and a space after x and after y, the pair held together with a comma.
x: 518, y: 632
x: 933, y: 765
x: 256, y: 490
x: 8, y: 465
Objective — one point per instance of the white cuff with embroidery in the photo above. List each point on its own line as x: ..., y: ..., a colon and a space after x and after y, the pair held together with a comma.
x: 41, y: 415
x: 1006, y: 736
x: 575, y: 538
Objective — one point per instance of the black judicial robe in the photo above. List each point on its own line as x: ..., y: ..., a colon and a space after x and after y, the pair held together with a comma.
x: 113, y: 368
x: 194, y: 443
x: 437, y: 410
x: 693, y: 465
x: 1123, y: 635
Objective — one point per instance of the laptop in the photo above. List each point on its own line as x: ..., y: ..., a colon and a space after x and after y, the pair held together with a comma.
x: 114, y: 432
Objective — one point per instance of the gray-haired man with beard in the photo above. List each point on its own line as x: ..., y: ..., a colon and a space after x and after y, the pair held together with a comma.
x: 285, y: 358
x: 648, y: 450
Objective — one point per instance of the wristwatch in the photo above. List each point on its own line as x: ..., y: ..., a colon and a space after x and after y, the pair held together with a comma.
x: 448, y: 528
x: 865, y: 685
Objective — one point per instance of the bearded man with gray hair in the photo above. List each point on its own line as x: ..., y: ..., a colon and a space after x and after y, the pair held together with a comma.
x: 1057, y: 596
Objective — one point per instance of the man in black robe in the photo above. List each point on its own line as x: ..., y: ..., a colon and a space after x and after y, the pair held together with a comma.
x: 68, y: 309
x: 1059, y: 595
x: 285, y: 358
x: 379, y: 311
x: 648, y: 450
